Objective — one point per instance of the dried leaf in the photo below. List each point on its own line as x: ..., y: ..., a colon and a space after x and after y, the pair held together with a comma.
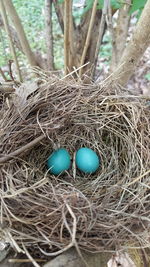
x: 120, y: 260
x: 22, y: 92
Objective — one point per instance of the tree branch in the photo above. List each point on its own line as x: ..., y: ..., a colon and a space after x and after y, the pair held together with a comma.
x: 120, y: 33
x: 3, y: 75
x: 13, y: 35
x: 21, y: 34
x: 100, y: 34
x: 134, y: 50
x: 40, y: 61
x: 49, y: 34
x: 59, y: 12
x: 21, y: 150
x: 88, y: 36
x: 6, y: 25
x: 67, y: 33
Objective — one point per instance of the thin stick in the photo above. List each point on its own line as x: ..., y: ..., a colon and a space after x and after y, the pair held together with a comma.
x: 30, y: 257
x: 70, y: 245
x: 24, y: 260
x: 88, y: 37
x: 67, y: 21
x: 74, y: 71
x: 22, y: 149
x: 138, y: 178
x: 3, y: 75
x: 6, y: 25
x: 101, y: 31
x: 20, y: 32
x: 49, y: 34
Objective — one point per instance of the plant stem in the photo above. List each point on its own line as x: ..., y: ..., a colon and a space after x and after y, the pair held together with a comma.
x: 101, y: 32
x: 21, y: 149
x: 68, y: 42
x: 3, y: 75
x: 21, y: 34
x: 6, y: 25
x: 49, y: 34
x: 88, y: 37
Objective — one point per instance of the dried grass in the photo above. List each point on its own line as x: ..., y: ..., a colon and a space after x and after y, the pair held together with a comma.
x: 101, y: 212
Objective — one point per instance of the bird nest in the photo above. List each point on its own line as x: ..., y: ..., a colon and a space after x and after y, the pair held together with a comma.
x: 100, y: 212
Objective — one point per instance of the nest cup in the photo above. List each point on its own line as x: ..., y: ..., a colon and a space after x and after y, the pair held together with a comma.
x: 109, y: 209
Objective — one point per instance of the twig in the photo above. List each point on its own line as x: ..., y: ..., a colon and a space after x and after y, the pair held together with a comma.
x: 10, y: 69
x: 49, y: 34
x: 30, y: 257
x: 13, y: 35
x: 74, y: 71
x: 24, y: 260
x: 6, y: 24
x: 3, y: 75
x: 88, y: 37
x: 21, y: 33
x: 138, y: 178
x: 59, y: 13
x: 101, y: 31
x: 67, y: 24
x: 12, y: 241
x: 70, y: 245
x: 22, y: 149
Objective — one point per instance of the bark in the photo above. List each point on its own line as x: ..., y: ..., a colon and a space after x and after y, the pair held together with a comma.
x: 67, y: 35
x: 120, y: 33
x: 21, y: 34
x: 79, y: 35
x: 41, y: 62
x: 49, y: 34
x: 59, y: 9
x: 88, y: 37
x: 3, y: 75
x: 134, y: 50
x: 12, y: 49
x: 13, y: 35
x: 100, y: 34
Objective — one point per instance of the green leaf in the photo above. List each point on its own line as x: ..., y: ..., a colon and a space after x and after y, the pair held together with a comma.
x: 147, y: 76
x: 136, y: 5
x: 88, y: 5
x: 115, y: 4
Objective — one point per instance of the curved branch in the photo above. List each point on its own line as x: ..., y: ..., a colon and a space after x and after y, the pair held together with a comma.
x: 12, y: 49
x: 134, y: 50
x: 49, y: 34
x: 59, y: 9
x: 20, y: 31
x: 88, y: 36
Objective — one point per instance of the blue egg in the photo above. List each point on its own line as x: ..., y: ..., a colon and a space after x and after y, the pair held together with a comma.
x: 87, y: 160
x: 59, y: 161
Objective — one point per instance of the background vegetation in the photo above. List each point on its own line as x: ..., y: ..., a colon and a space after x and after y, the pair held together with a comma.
x: 32, y: 15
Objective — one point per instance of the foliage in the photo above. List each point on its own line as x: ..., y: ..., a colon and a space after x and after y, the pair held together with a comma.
x: 106, y: 48
x: 147, y: 76
x: 32, y: 17
x: 137, y: 5
x: 31, y: 14
x: 114, y: 3
x: 4, y: 50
